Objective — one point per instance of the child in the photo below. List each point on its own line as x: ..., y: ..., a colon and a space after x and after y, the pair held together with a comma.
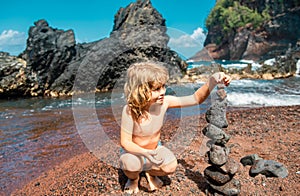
x: 142, y: 119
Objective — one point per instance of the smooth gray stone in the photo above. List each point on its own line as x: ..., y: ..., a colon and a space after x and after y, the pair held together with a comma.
x: 216, y: 176
x: 216, y: 114
x: 268, y: 168
x: 233, y: 187
x: 231, y: 166
x: 216, y: 134
x: 218, y: 155
x: 250, y: 159
x: 221, y: 93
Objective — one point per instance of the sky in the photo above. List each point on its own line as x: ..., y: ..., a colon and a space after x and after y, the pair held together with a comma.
x: 92, y: 20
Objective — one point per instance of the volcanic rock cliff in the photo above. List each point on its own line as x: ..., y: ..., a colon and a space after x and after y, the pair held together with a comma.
x: 54, y: 65
x: 253, y: 30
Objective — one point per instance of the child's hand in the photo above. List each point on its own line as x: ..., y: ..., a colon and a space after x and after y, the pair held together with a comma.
x: 150, y: 155
x: 219, y: 78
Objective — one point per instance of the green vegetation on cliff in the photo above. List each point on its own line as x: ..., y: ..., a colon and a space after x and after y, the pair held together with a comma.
x: 229, y: 15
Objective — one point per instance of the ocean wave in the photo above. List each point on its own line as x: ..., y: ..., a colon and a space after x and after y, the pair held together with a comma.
x: 256, y: 99
x: 280, y: 92
x: 225, y: 63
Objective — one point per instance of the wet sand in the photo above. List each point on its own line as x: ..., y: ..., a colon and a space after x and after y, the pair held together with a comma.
x: 271, y: 132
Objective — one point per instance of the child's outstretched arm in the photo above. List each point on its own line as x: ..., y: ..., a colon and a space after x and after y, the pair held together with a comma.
x: 201, y: 94
x: 218, y: 78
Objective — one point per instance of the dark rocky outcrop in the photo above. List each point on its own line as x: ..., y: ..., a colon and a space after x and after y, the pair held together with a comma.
x: 54, y: 65
x: 14, y: 75
x: 270, y: 39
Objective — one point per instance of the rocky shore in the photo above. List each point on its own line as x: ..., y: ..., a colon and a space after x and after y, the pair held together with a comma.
x: 270, y: 132
x: 54, y: 65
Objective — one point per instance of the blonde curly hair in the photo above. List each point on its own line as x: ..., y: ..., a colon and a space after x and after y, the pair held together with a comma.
x: 141, y: 79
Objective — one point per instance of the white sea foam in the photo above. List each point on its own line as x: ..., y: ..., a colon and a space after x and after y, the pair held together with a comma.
x: 247, y: 61
x: 264, y: 93
x: 245, y: 84
x: 298, y: 68
x: 190, y: 61
x: 255, y: 99
x: 235, y: 65
x: 226, y: 64
x: 270, y: 62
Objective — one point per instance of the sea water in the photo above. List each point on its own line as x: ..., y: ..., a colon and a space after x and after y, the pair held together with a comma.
x: 38, y: 132
x: 258, y: 93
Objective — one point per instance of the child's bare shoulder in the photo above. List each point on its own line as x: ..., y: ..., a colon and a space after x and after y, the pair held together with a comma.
x: 126, y: 110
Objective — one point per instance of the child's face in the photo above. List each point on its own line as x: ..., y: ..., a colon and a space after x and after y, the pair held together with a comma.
x: 158, y: 94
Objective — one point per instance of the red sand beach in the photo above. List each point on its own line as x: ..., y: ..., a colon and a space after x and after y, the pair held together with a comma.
x: 271, y: 132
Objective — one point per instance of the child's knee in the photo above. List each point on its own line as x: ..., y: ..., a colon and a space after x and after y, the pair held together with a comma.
x: 170, y: 161
x: 170, y: 167
x: 130, y: 163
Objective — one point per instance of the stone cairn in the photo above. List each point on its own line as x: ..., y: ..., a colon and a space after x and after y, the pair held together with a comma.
x: 220, y: 174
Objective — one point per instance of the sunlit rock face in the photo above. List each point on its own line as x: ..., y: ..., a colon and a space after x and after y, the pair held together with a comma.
x: 56, y: 65
x: 268, y: 40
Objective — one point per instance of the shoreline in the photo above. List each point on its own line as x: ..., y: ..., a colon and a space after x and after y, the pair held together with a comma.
x: 270, y: 132
x: 191, y: 77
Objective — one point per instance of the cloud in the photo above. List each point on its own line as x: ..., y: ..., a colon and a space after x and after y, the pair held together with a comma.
x: 199, y: 35
x: 190, y: 41
x: 186, y: 44
x: 12, y: 41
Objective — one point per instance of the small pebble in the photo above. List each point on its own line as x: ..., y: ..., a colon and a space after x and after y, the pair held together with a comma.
x: 37, y: 184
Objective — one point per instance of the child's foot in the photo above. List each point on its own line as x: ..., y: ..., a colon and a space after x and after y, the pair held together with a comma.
x: 154, y: 182
x: 132, y: 186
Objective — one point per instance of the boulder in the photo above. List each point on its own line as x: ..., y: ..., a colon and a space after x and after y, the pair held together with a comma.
x: 57, y: 66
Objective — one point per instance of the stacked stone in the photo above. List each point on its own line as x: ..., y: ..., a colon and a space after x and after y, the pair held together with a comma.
x: 220, y: 175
